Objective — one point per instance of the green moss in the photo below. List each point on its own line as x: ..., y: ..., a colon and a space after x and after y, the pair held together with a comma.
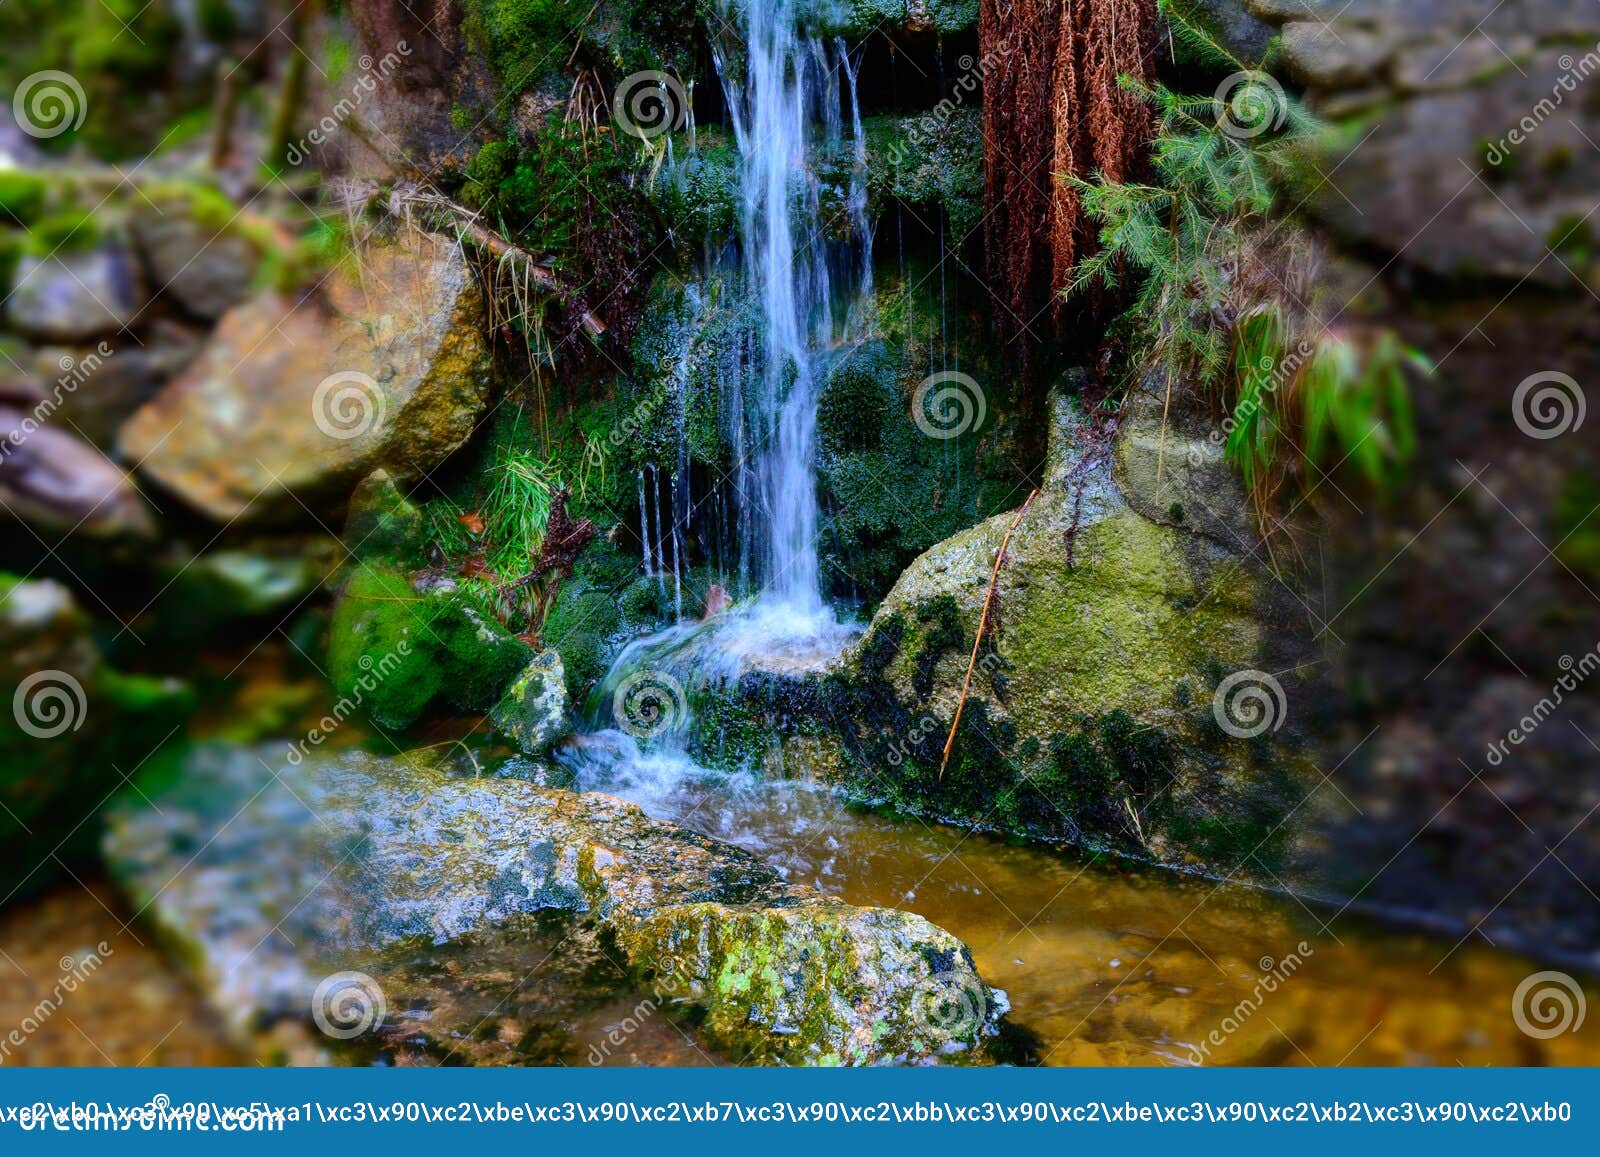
x: 856, y: 18
x: 62, y: 233
x: 22, y: 196
x: 527, y: 41
x: 383, y: 525
x: 940, y: 619
x: 1576, y: 525
x: 393, y: 651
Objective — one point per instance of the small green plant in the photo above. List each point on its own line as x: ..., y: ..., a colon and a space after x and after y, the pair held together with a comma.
x: 1222, y: 285
x: 513, y: 552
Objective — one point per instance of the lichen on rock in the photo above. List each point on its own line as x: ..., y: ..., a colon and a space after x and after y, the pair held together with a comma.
x: 395, y: 851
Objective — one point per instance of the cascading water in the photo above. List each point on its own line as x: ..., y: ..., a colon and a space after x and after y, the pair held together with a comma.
x: 783, y: 94
x: 803, y: 273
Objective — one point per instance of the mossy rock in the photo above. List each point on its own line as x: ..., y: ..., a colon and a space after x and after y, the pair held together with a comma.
x: 343, y: 855
x: 394, y: 650
x: 1090, y: 717
x: 856, y: 18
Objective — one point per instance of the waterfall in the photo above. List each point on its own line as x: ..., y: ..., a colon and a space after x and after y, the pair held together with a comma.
x: 802, y: 265
x: 783, y: 94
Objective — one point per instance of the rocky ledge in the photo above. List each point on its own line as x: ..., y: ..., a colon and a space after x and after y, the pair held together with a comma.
x: 274, y: 875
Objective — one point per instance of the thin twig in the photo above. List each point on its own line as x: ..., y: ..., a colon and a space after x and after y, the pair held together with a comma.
x: 983, y: 626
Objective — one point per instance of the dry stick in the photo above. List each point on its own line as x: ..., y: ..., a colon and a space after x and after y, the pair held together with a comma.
x: 226, y: 113
x: 540, y: 275
x: 983, y: 623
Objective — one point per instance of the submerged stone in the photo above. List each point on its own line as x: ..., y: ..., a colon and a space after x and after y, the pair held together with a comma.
x: 270, y: 877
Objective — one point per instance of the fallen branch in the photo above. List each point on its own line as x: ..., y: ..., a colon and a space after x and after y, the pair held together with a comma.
x: 471, y: 232
x: 983, y: 627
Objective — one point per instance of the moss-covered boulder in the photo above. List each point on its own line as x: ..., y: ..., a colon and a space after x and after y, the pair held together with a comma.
x: 293, y: 402
x: 395, y: 854
x: 71, y: 728
x: 1138, y: 686
x: 401, y: 638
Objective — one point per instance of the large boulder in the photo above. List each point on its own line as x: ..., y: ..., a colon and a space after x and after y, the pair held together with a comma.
x: 402, y: 637
x: 1139, y: 683
x: 1461, y: 146
x: 71, y: 728
x: 273, y: 873
x: 293, y: 402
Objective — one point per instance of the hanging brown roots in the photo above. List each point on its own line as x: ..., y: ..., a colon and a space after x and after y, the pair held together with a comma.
x: 1053, y: 106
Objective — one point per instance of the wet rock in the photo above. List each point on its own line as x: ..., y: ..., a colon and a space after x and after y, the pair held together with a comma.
x: 293, y: 402
x: 270, y: 876
x: 73, y: 297
x: 70, y: 727
x: 61, y: 484
x: 534, y: 712
x: 206, y: 269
